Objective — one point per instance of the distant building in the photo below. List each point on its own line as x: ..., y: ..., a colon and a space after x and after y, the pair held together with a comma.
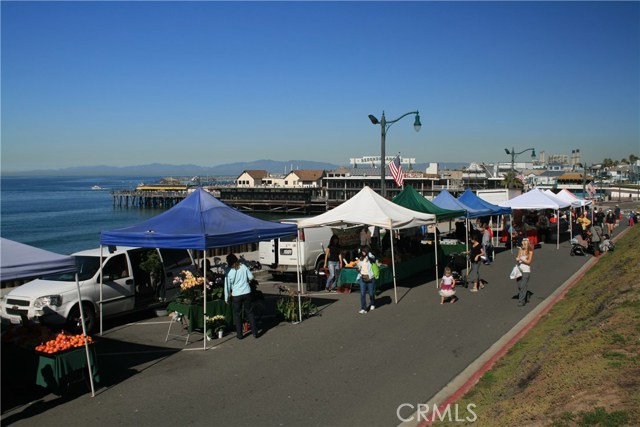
x: 251, y: 178
x: 573, y: 180
x: 304, y: 178
x: 544, y: 178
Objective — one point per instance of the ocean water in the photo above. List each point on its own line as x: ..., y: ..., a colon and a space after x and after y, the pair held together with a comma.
x: 63, y: 214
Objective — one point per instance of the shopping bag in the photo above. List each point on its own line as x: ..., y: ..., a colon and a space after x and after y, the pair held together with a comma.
x: 376, y: 270
x: 515, y: 273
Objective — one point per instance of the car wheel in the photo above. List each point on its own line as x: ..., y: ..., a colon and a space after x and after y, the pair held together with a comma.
x: 74, y: 322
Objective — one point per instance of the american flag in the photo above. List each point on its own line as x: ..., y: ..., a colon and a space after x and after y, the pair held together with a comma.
x: 521, y: 178
x: 395, y: 167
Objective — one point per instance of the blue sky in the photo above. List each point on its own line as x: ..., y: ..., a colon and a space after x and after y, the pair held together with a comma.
x: 208, y: 83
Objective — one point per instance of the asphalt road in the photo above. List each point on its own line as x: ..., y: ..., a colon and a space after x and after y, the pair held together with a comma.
x: 338, y: 368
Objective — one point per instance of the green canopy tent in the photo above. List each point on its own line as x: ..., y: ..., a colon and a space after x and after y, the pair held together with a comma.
x: 409, y: 198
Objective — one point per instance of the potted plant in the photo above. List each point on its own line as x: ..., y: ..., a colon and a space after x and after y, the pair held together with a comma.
x: 288, y: 307
x: 216, y: 326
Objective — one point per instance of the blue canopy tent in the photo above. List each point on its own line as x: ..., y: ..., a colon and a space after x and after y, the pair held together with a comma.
x: 446, y: 201
x: 472, y: 200
x: 198, y: 222
x: 20, y: 261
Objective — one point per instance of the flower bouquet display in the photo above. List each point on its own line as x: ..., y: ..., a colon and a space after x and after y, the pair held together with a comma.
x: 216, y: 326
x: 190, y: 286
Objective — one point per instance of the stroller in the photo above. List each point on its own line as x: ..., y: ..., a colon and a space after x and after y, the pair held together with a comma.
x: 580, y: 246
x: 457, y: 263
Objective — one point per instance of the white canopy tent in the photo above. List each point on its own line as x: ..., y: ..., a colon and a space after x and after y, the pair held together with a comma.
x: 536, y: 200
x: 368, y: 207
x: 574, y: 200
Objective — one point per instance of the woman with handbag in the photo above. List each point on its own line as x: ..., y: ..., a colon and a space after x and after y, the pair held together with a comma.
x: 524, y: 260
x: 366, y: 280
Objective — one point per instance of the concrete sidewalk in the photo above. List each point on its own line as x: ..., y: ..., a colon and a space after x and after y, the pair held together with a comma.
x: 338, y: 368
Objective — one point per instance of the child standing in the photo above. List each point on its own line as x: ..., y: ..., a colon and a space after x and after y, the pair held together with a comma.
x: 447, y: 285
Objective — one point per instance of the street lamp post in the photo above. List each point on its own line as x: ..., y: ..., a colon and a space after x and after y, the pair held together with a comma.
x: 513, y: 155
x: 384, y: 126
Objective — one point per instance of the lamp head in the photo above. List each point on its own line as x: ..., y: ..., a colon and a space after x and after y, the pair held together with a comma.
x: 373, y: 119
x: 417, y: 125
x: 506, y: 150
x: 533, y: 153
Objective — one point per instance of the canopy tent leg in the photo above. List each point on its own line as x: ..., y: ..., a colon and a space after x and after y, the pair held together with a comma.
x: 435, y: 239
x: 570, y: 222
x: 511, y: 227
x: 467, y: 233
x: 558, y: 229
x: 100, y: 302
x: 299, y: 277
x: 84, y: 333
x: 204, y: 292
x: 393, y: 263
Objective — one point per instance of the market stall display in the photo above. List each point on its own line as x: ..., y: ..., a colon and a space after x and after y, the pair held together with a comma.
x: 51, y: 360
x: 56, y: 370
x: 194, y: 315
x: 368, y: 207
x: 19, y: 261
x: 198, y: 222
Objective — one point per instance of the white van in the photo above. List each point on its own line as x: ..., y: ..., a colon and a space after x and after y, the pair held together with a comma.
x: 279, y: 256
x: 53, y: 299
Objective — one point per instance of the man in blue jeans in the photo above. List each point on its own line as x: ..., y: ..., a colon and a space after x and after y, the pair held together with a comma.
x: 333, y: 260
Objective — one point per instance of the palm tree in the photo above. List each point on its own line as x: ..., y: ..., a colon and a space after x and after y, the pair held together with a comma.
x: 510, y: 180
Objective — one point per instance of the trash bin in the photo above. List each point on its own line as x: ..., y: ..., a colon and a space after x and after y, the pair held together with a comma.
x: 315, y: 281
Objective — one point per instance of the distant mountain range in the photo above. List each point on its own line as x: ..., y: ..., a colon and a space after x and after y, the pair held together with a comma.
x: 231, y: 169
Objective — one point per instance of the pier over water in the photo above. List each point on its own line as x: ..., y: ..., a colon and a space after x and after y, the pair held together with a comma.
x: 304, y: 201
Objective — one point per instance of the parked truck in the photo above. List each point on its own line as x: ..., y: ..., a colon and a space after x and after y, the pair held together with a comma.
x: 126, y: 287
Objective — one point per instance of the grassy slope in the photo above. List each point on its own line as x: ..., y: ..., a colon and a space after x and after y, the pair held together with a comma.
x: 580, y: 365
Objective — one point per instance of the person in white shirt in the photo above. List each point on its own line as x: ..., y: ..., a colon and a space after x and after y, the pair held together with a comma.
x: 524, y: 260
